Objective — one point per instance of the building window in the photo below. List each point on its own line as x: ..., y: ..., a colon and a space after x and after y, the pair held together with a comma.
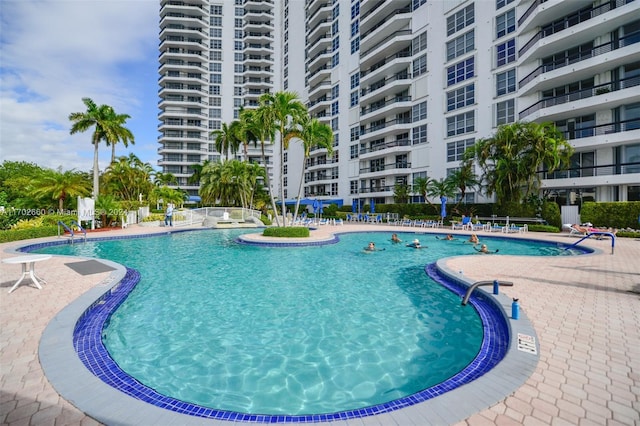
x: 215, y: 32
x: 334, y: 124
x: 461, y: 71
x: 505, y: 82
x: 502, y: 3
x: 355, y: 28
x: 355, y: 9
x: 335, y: 61
x: 460, y: 45
x: 506, y: 23
x: 460, y: 124
x: 354, y: 151
x: 505, y: 112
x: 215, y: 44
x: 419, y: 43
x: 420, y: 66
x: 355, y: 45
x: 335, y: 27
x: 336, y: 43
x: 419, y: 112
x: 353, y: 187
x: 354, y: 99
x: 461, y: 98
x: 237, y: 45
x: 238, y: 23
x: 335, y: 91
x: 334, y: 108
x: 460, y: 20
x: 216, y: 10
x: 506, y: 52
x: 419, y: 134
x: 355, y: 133
x: 417, y: 3
x: 355, y: 80
x: 215, y: 21
x: 455, y: 150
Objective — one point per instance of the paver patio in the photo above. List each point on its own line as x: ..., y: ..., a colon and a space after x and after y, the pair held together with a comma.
x: 585, y: 309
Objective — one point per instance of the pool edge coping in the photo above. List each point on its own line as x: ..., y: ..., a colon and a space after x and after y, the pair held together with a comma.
x: 96, y: 398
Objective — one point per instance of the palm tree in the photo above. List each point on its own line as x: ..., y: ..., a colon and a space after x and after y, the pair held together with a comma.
x: 128, y: 177
x: 285, y: 112
x: 463, y: 178
x: 260, y: 123
x: 421, y: 187
x: 511, y: 159
x: 226, y: 138
x: 58, y: 185
x: 440, y: 188
x: 197, y: 172
x: 245, y: 135
x: 118, y: 133
x: 401, y: 193
x: 312, y: 133
x: 106, y: 126
x: 164, y: 179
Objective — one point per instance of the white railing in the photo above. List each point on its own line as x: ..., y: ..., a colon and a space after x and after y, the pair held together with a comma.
x: 198, y: 216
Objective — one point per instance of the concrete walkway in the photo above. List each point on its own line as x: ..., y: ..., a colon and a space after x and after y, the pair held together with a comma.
x: 586, y: 312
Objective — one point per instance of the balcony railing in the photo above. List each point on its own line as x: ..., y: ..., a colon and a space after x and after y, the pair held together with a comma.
x: 383, y: 167
x: 589, y: 171
x: 385, y: 188
x: 381, y: 83
x: 381, y: 126
x: 584, y: 55
x: 529, y: 11
x: 402, y: 54
x: 570, y: 21
x: 384, y: 20
x: 379, y: 105
x: 390, y: 37
x: 387, y: 145
x: 581, y: 94
x: 602, y: 129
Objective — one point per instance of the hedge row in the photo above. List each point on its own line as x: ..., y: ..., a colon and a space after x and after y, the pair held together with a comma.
x: 25, y: 234
x: 621, y: 214
x: 288, y: 232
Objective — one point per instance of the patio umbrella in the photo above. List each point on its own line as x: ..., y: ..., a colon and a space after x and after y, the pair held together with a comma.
x: 372, y: 206
x: 443, y: 207
x: 320, y: 207
x: 354, y: 206
x: 315, y: 206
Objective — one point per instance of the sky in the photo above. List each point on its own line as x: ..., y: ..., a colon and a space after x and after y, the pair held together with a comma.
x: 53, y: 53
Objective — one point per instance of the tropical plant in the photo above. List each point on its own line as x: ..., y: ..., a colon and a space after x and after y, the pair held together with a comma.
x: 401, y: 193
x: 196, y: 172
x: 421, y: 187
x: 511, y: 159
x: 108, y: 209
x: 312, y: 133
x: 463, y: 178
x: 284, y: 111
x: 117, y: 132
x: 107, y: 126
x: 440, y: 188
x: 167, y: 195
x: 60, y: 186
x: 164, y: 179
x: 260, y: 123
x: 128, y: 178
x: 226, y: 138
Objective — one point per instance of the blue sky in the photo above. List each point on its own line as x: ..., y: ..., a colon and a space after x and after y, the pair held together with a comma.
x: 53, y: 53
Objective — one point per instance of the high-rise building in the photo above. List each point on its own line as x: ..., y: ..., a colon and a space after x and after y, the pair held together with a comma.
x: 407, y: 86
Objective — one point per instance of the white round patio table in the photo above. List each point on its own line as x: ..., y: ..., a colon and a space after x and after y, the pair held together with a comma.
x: 28, y: 268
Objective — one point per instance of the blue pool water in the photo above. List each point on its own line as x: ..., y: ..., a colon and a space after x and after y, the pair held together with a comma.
x: 289, y: 330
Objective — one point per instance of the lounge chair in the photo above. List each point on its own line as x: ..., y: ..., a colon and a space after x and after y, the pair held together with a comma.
x: 465, y: 224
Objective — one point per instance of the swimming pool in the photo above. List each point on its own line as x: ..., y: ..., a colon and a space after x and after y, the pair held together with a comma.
x: 279, y: 325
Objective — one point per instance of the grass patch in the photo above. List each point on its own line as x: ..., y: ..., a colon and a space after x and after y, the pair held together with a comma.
x: 289, y: 232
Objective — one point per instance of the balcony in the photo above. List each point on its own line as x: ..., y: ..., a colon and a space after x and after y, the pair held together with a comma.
x: 378, y: 127
x: 398, y: 41
x: 600, y: 89
x: 377, y: 190
x: 381, y: 30
x: 396, y: 146
x: 380, y: 109
x: 569, y: 21
x: 385, y: 87
x: 582, y: 56
x: 386, y: 169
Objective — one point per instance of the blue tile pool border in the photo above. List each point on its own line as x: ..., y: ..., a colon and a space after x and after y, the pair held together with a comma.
x: 88, y: 331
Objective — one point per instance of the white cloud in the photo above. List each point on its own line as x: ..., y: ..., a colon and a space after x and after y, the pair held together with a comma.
x: 54, y: 53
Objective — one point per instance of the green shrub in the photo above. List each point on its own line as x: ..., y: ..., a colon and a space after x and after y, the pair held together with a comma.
x: 25, y: 234
x: 154, y: 217
x: 551, y: 213
x: 543, y: 228
x: 288, y: 232
x: 265, y: 220
x: 628, y: 234
x: 621, y: 214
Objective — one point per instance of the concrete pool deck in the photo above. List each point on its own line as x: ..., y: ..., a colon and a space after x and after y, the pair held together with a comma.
x: 585, y: 310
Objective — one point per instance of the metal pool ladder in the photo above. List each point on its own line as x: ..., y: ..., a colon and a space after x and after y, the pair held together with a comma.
x: 495, y: 283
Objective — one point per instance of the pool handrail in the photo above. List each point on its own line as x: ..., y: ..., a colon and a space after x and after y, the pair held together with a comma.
x: 69, y: 229
x: 494, y: 283
x: 610, y: 234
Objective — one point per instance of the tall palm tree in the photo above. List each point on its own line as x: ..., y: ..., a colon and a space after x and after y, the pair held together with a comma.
x: 117, y: 132
x: 260, y: 123
x: 226, y: 139
x: 106, y: 126
x: 421, y: 186
x: 58, y: 185
x: 312, y: 133
x: 286, y: 111
x: 440, y: 188
x: 128, y: 178
x: 246, y: 135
